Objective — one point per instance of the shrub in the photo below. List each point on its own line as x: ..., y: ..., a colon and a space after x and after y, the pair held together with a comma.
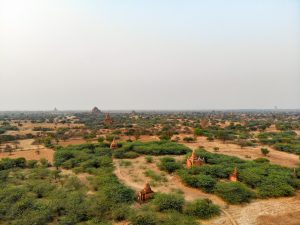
x: 154, y: 176
x: 234, y: 192
x: 176, y: 218
x: 143, y: 219
x: 188, y: 139
x: 120, y: 212
x: 202, y: 208
x: 149, y: 159
x: 264, y: 151
x: 169, y: 164
x: 165, y: 202
x: 271, y: 187
x: 32, y: 163
x: 204, y: 182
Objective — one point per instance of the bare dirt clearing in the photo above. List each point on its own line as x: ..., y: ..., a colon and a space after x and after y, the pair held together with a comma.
x: 45, y: 153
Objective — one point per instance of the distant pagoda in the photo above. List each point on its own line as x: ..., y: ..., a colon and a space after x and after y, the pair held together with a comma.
x: 96, y: 111
x: 108, y: 120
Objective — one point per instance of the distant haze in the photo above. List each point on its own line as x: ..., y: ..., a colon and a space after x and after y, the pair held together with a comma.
x: 155, y: 54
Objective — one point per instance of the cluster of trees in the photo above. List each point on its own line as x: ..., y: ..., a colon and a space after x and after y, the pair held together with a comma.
x: 169, y: 164
x: 134, y: 149
x: 257, y: 178
x: 6, y: 126
x: 287, y: 141
x: 42, y: 129
x: 229, y: 133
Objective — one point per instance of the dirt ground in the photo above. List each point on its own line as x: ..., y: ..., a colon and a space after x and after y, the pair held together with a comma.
x: 281, y: 219
x: 27, y: 127
x: 72, y: 141
x: 258, y: 212
x: 30, y: 154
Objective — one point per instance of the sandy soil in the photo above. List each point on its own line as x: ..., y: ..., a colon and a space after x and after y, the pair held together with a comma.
x: 27, y: 127
x: 72, y: 141
x: 30, y: 154
x: 276, y: 157
x: 281, y: 219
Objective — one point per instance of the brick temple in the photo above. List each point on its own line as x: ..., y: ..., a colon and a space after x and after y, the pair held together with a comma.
x: 146, y: 193
x: 234, y: 176
x: 113, y: 144
x: 194, y: 160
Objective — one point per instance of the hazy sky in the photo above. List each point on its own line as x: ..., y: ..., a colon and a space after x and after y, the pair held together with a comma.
x: 149, y: 54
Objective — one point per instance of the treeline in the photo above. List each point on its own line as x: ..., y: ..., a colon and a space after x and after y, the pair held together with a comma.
x: 6, y: 127
x: 134, y: 149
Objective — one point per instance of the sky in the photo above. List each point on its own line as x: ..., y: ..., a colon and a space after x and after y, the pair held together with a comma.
x: 150, y: 54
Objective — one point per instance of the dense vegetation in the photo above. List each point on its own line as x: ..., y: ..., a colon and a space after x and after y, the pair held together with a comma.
x: 286, y: 141
x: 134, y: 149
x: 257, y: 178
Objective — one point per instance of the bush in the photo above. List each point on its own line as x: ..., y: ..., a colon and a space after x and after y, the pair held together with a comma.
x: 32, y: 163
x: 202, y: 208
x: 169, y: 164
x: 143, y: 219
x: 264, y: 151
x: 188, y: 139
x: 261, y: 160
x: 204, y: 182
x: 149, y: 159
x: 120, y: 212
x: 234, y: 192
x: 271, y: 187
x: 165, y: 202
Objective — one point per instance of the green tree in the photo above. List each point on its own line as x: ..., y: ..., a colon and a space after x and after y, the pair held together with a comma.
x: 264, y: 151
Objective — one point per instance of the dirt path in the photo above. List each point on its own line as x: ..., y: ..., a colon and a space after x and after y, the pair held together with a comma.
x: 276, y: 157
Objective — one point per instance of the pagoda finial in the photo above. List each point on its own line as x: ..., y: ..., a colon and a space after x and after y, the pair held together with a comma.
x: 113, y: 144
x: 193, y: 154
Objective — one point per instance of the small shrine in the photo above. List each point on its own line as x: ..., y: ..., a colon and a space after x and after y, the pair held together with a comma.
x: 234, y: 176
x: 194, y: 160
x: 113, y: 144
x: 146, y: 193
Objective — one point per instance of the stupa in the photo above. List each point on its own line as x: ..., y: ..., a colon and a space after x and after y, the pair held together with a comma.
x: 194, y: 160
x: 146, y: 193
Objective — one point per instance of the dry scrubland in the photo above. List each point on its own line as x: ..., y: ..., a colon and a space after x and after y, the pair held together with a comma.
x: 135, y: 172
